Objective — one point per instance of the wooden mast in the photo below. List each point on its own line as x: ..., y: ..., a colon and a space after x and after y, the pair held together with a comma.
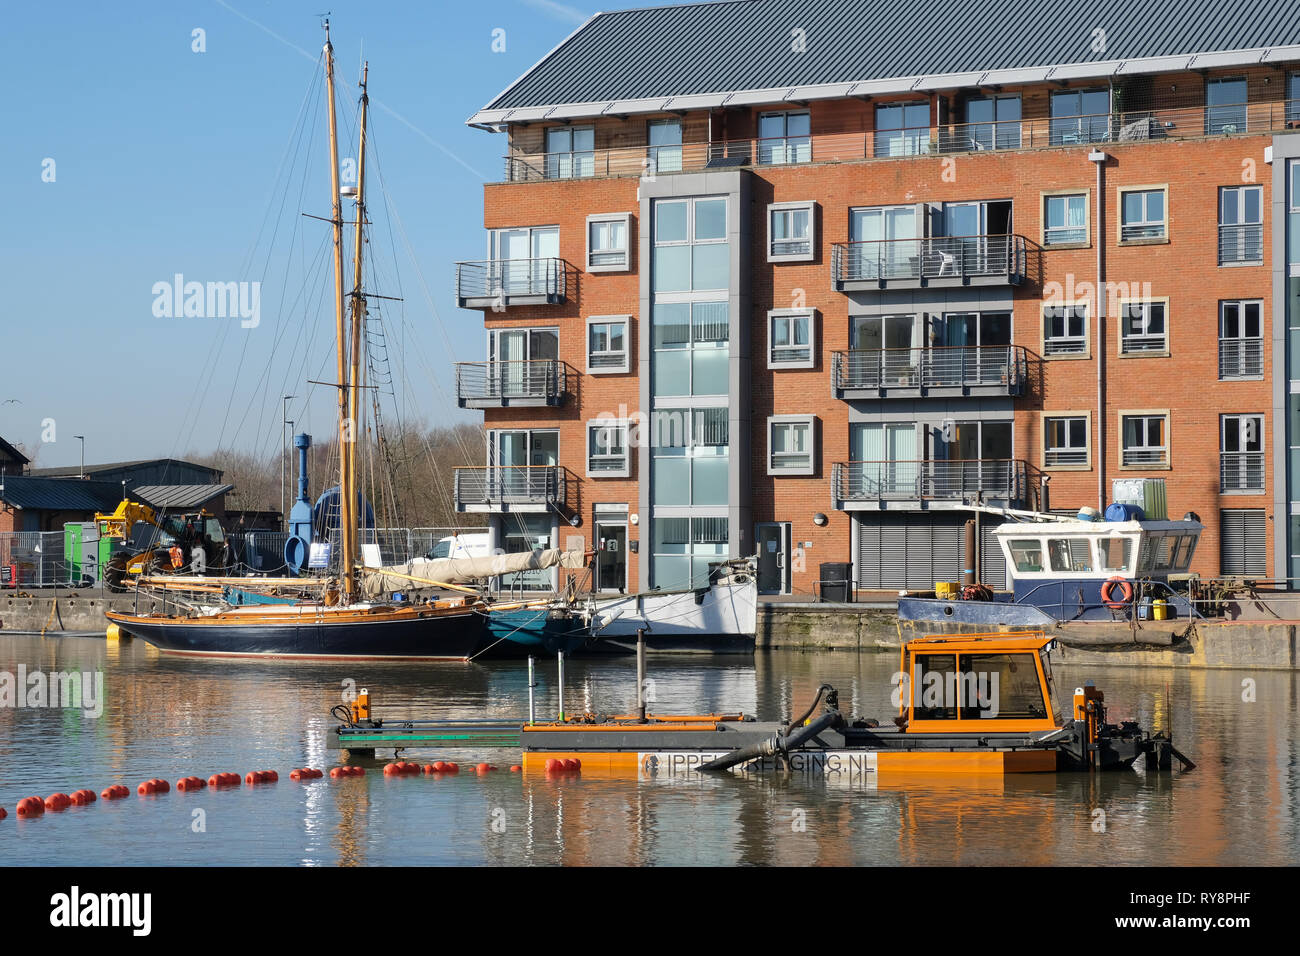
x: 358, y: 314
x: 347, y: 523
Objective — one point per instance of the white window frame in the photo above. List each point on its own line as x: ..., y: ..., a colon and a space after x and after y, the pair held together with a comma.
x: 623, y: 470
x: 776, y: 208
x: 1087, y: 219
x: 808, y: 421
x: 1145, y: 223
x: 625, y: 366
x: 1125, y: 339
x: 1086, y: 351
x: 775, y: 315
x: 1238, y: 420
x: 1241, y: 305
x: 1240, y: 191
x: 1124, y: 463
x: 620, y: 217
x: 1086, y: 464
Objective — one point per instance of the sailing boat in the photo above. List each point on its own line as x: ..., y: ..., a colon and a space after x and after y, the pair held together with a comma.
x: 338, y: 623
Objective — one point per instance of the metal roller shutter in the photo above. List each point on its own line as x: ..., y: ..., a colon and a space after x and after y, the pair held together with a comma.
x: 914, y: 551
x: 1242, y: 541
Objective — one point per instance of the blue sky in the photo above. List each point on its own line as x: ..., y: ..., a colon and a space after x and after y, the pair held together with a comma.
x: 165, y: 161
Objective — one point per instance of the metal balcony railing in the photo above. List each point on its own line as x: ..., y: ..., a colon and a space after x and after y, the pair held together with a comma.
x: 1001, y: 368
x: 850, y: 145
x: 489, y: 281
x: 936, y: 257
x: 1239, y: 244
x: 994, y: 479
x: 1241, y: 358
x: 494, y: 384
x: 1145, y: 455
x: 1241, y: 471
x: 511, y: 484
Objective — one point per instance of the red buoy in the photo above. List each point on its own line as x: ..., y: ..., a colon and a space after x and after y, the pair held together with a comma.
x: 30, y: 807
x: 83, y: 797
x: 515, y: 768
x: 452, y: 767
x: 58, y: 801
x: 482, y: 768
x: 572, y: 764
x: 553, y: 765
x: 428, y: 768
x: 391, y: 770
x: 3, y: 814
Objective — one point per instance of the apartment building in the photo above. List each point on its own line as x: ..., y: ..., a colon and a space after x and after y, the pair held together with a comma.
x: 810, y: 279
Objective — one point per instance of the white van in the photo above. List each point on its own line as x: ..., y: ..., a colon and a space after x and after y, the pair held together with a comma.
x: 470, y: 545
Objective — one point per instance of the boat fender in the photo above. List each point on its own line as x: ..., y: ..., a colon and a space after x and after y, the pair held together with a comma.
x: 1108, y: 591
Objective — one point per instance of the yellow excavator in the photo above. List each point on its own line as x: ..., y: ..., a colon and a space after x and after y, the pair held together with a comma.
x: 180, y: 544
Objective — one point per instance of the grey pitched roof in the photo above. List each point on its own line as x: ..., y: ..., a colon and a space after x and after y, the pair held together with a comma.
x: 9, y: 451
x: 75, y: 470
x: 180, y: 497
x: 57, y: 494
x: 633, y: 60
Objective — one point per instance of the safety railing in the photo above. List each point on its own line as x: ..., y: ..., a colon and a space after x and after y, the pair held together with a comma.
x: 1241, y: 358
x: 1002, y: 368
x: 541, y: 381
x: 1241, y: 471
x: 992, y: 478
x: 511, y: 484
x: 934, y: 257
x: 490, y: 281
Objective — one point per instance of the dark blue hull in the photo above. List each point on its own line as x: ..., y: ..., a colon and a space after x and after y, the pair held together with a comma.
x: 447, y: 637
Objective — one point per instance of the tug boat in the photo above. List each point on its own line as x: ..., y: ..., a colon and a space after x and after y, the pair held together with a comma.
x: 974, y: 704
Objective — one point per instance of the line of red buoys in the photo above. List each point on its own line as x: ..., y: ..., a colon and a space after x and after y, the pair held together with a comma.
x: 401, y: 768
x: 83, y: 797
x: 156, y: 785
x: 261, y: 776
x: 306, y: 773
x: 115, y: 792
x: 190, y: 783
x: 563, y: 765
x: 337, y: 772
x: 224, y: 780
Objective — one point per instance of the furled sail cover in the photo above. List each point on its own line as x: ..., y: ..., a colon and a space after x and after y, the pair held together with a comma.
x: 397, y: 577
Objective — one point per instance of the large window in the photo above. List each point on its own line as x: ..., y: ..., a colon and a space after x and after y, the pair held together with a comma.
x: 689, y: 453
x: 1065, y: 330
x: 1079, y: 116
x: 1142, y: 215
x: 1241, y: 345
x: 1065, y: 219
x: 1293, y: 101
x: 1143, y: 328
x: 784, y: 138
x: 1144, y: 440
x: 790, y: 232
x: 1225, y: 106
x: 607, y: 242
x: 691, y: 348
x: 1065, y: 441
x: 570, y: 152
x: 521, y: 362
x: 691, y: 251
x: 790, y: 339
x: 607, y: 339
x: 1241, y: 454
x: 790, y: 445
x: 664, y: 153
x: 607, y: 455
x: 902, y: 129
x: 992, y: 122
x: 1241, y: 225
x: 683, y: 549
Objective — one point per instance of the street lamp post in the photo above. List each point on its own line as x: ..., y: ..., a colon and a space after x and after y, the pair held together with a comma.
x: 83, y: 455
x: 284, y: 454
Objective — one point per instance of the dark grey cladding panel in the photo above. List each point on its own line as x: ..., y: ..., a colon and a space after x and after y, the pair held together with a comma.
x: 747, y: 44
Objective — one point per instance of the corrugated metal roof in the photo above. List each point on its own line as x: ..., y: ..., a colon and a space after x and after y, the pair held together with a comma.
x: 59, y: 494
x: 742, y: 45
x: 180, y: 497
x: 74, y: 470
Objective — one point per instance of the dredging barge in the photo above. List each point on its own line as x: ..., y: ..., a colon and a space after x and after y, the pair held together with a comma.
x: 969, y: 704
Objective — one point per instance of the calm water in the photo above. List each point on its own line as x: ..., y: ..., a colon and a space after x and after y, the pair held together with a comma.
x: 167, y: 717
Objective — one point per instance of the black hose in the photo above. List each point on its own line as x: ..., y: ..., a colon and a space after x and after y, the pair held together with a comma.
x: 345, y: 716
x: 812, y: 707
x: 775, y: 744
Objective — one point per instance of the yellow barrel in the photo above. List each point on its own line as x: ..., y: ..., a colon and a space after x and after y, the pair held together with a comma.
x: 113, y: 633
x: 1160, y: 609
x: 945, y: 590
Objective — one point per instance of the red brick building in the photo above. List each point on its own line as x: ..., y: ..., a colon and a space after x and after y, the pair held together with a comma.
x: 815, y: 306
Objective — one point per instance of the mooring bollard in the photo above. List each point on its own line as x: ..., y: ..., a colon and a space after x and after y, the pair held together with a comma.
x: 532, y: 703
x: 560, y: 655
x: 640, y: 673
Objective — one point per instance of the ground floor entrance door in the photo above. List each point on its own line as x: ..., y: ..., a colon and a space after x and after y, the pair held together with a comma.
x: 611, y: 556
x: 773, y: 557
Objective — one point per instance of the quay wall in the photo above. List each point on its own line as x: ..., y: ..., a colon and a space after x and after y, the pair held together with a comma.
x: 73, y: 613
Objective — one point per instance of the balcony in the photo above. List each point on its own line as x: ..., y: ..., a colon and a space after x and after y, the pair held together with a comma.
x: 993, y: 370
x: 1241, y: 245
x: 846, y: 146
x: 1241, y: 472
x: 939, y: 261
x: 499, y: 283
x: 1241, y: 358
x: 937, y: 485
x: 537, y: 488
x: 515, y: 384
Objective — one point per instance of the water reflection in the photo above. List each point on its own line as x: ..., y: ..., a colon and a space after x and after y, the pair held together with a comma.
x: 173, y: 717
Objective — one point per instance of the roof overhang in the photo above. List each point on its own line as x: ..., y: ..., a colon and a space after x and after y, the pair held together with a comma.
x: 1096, y: 70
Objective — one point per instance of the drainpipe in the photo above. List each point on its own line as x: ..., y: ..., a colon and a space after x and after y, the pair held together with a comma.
x: 1098, y: 158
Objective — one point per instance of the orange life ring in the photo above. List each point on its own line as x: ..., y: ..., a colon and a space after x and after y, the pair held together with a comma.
x: 1108, y: 589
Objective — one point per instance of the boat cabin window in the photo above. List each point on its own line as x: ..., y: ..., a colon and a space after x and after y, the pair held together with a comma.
x: 1155, y: 554
x: 1183, y: 551
x: 1001, y: 686
x: 1114, y: 554
x: 934, y: 693
x: 1070, y: 554
x: 1050, y: 685
x: 1026, y: 553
